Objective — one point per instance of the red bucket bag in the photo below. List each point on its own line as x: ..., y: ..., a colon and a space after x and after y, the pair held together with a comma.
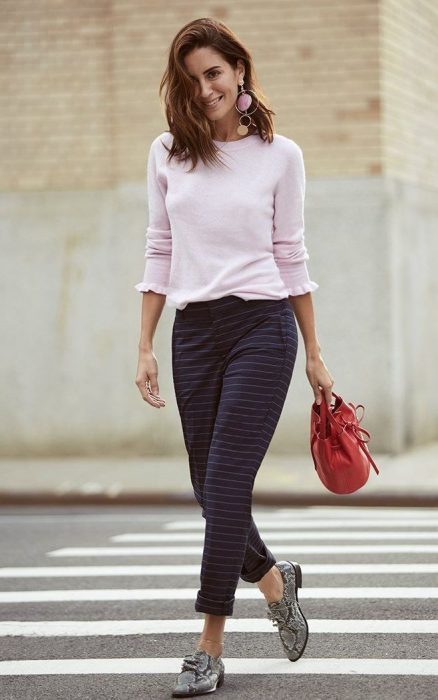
x: 340, y: 455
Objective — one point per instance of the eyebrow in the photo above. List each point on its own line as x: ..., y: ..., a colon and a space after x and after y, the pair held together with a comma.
x: 207, y: 71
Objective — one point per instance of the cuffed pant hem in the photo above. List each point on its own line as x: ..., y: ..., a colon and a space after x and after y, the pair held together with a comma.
x: 259, y: 572
x: 214, y: 607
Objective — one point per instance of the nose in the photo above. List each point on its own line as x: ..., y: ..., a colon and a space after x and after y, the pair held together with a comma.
x: 204, y: 92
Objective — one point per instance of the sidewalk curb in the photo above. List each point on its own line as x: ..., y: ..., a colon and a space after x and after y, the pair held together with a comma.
x: 263, y: 498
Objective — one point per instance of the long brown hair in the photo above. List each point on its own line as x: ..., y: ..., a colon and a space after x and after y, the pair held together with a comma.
x: 191, y: 129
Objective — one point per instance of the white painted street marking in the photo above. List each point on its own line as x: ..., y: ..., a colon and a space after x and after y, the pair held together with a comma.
x: 193, y: 570
x: 297, y: 535
x: 115, y: 628
x: 197, y: 551
x: 54, y: 596
x: 330, y: 511
x: 327, y: 512
x: 325, y: 523
x: 233, y: 665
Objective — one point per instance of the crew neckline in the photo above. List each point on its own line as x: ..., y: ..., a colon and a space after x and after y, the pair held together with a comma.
x: 238, y: 143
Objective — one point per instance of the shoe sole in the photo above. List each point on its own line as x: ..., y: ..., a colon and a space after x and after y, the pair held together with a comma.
x: 299, y: 584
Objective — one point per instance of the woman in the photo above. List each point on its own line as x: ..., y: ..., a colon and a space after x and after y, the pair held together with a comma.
x: 225, y: 247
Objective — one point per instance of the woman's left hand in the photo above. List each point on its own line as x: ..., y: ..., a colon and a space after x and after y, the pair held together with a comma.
x: 320, y: 379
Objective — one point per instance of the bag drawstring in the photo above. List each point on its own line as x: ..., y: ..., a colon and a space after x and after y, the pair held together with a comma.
x: 355, y: 428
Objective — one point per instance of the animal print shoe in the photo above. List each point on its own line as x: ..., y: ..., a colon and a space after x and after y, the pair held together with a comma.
x: 200, y: 673
x: 286, y: 613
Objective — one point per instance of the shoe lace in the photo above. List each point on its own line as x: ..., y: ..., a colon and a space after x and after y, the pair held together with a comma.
x: 276, y: 616
x: 191, y: 663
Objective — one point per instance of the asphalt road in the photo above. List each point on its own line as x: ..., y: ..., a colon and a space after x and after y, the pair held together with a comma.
x: 98, y: 604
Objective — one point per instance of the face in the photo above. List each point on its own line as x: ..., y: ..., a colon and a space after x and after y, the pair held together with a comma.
x: 215, y: 81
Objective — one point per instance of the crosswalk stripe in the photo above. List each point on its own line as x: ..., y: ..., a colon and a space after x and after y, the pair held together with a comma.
x: 289, y: 549
x: 233, y: 665
x: 298, y: 535
x: 86, y: 628
x: 53, y: 596
x: 358, y: 511
x: 301, y: 513
x: 277, y: 523
x: 193, y: 570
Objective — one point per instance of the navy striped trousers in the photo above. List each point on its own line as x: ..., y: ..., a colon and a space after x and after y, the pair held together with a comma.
x: 232, y: 363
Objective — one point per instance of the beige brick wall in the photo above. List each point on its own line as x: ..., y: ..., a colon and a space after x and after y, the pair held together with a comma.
x: 409, y: 78
x: 56, y: 95
x: 351, y: 81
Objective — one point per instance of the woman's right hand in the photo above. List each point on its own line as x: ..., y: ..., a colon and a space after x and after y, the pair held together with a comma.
x: 147, y: 378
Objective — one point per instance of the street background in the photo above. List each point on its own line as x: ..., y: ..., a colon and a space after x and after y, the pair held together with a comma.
x: 99, y: 603
x: 352, y: 83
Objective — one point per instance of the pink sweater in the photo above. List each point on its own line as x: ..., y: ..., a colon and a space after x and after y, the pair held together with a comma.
x: 220, y: 231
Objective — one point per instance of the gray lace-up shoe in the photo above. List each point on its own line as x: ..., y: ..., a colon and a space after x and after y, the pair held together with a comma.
x: 200, y: 673
x: 286, y: 613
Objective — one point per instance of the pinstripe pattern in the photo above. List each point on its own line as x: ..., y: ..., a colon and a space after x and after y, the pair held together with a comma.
x: 232, y: 362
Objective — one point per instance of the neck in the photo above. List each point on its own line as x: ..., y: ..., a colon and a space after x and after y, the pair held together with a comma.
x: 231, y: 136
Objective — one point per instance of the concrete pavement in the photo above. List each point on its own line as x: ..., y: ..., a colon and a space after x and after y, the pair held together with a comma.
x: 410, y: 478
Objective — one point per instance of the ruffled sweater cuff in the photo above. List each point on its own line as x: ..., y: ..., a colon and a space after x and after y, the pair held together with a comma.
x: 158, y: 288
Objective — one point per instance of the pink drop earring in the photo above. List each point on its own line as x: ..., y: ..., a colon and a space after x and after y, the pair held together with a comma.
x: 243, y: 103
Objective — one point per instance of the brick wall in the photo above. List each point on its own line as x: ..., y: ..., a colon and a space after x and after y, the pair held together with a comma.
x: 409, y: 78
x: 56, y: 95
x: 351, y: 81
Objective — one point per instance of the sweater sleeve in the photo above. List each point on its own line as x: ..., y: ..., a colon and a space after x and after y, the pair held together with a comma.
x: 290, y: 252
x: 158, y: 249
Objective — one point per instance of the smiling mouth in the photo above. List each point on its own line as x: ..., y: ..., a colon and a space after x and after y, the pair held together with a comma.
x: 213, y: 104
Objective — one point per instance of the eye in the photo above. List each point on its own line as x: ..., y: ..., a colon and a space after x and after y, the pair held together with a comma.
x: 212, y: 72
